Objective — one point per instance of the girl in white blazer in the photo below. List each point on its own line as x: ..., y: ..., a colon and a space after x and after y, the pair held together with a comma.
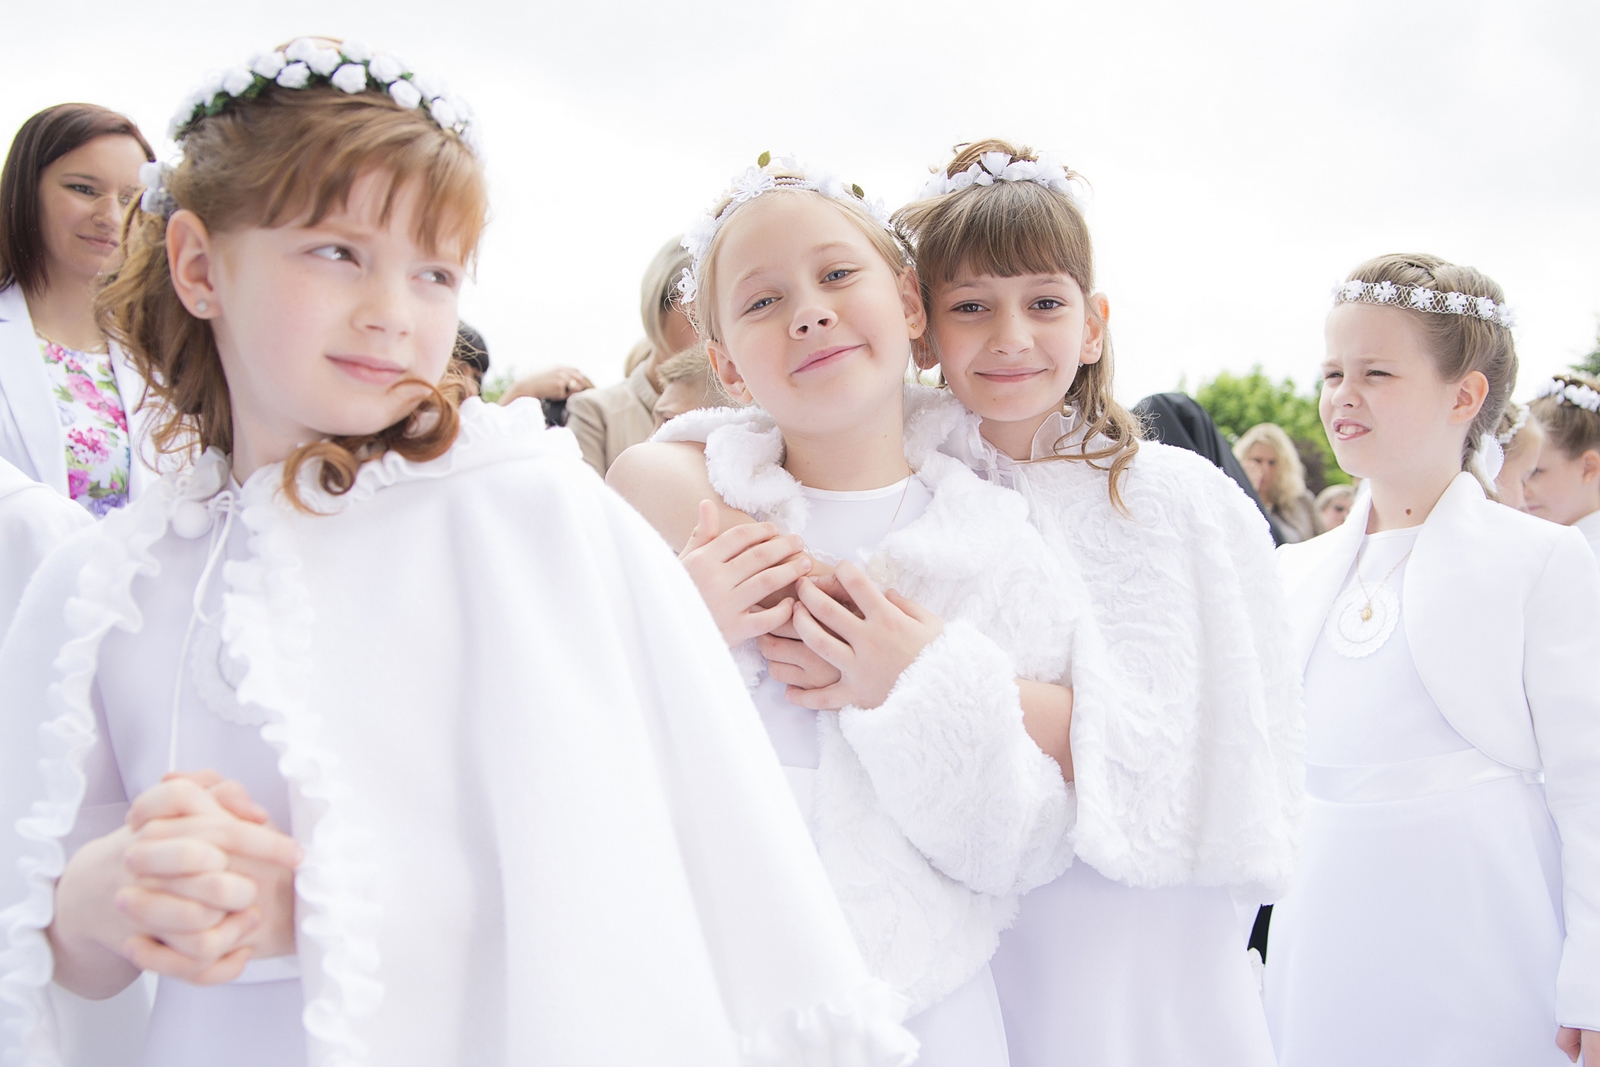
x: 69, y: 176
x: 1447, y: 906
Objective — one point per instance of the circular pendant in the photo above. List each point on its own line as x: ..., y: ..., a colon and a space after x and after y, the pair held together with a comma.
x: 1358, y: 626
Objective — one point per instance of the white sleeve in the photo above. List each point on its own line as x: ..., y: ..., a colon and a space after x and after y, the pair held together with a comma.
x: 953, y: 767
x: 1561, y: 648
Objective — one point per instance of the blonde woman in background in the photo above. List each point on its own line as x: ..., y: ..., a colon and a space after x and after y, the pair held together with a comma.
x: 607, y: 421
x: 1279, y: 478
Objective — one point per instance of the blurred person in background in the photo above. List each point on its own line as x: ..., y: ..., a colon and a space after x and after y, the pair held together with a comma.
x: 1279, y: 478
x: 1333, y: 505
x: 688, y: 385
x: 1178, y: 419
x: 69, y: 399
x: 608, y: 421
x: 1564, y: 486
x: 1521, y: 438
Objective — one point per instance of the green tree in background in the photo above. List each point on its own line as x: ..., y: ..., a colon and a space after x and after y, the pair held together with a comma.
x: 1590, y: 364
x: 1238, y: 403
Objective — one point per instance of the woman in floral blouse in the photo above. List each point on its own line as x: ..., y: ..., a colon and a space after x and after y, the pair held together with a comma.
x: 68, y: 396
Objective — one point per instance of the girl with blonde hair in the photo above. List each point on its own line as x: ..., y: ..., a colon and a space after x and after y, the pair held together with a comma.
x: 1521, y: 439
x: 918, y: 699
x: 1273, y: 465
x: 479, y: 769
x: 1447, y: 906
x: 1185, y: 756
x: 1564, y: 485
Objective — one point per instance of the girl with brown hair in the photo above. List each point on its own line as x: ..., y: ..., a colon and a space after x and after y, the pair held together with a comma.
x: 384, y: 733
x: 1185, y: 733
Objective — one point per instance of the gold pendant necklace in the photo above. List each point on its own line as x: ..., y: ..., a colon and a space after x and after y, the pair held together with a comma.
x: 1366, y: 609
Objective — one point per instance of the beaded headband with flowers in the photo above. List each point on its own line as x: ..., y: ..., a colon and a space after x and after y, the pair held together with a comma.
x: 994, y: 167
x: 769, y: 174
x: 1575, y: 393
x: 1418, y: 298
x: 350, y: 67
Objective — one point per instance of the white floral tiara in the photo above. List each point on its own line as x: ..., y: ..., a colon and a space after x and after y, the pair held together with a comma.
x: 1519, y: 419
x: 769, y: 173
x: 1417, y: 298
x: 1574, y: 393
x: 994, y: 167
x: 352, y: 67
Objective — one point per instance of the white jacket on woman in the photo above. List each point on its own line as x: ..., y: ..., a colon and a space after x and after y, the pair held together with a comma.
x: 1502, y: 613
x: 31, y: 437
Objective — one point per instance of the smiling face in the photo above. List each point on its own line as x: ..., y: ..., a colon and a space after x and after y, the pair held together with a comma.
x: 322, y: 330
x: 814, y: 324
x: 1387, y: 411
x: 1011, y: 347
x: 82, y: 198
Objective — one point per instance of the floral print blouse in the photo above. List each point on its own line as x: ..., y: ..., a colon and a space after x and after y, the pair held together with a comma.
x: 94, y: 423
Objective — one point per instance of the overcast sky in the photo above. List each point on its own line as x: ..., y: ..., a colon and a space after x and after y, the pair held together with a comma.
x: 1243, y: 155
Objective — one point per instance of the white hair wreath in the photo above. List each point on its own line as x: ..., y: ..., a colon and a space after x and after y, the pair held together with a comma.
x: 1418, y: 298
x: 769, y: 173
x: 352, y: 67
x: 1574, y: 393
x: 994, y: 167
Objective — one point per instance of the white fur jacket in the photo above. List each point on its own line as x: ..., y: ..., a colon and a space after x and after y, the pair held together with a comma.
x: 1187, y: 732
x: 935, y: 810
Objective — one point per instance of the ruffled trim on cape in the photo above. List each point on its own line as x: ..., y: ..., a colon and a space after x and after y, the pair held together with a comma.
x: 860, y: 1032
x: 120, y: 552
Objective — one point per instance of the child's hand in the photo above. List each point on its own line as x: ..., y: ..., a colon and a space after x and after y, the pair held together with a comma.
x: 870, y: 646
x: 738, y: 569
x: 791, y: 662
x: 1579, y: 1042
x: 212, y: 882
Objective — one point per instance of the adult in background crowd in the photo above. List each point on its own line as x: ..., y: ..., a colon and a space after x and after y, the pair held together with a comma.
x: 1178, y: 419
x: 69, y: 416
x: 687, y: 385
x: 608, y: 421
x: 1279, y: 478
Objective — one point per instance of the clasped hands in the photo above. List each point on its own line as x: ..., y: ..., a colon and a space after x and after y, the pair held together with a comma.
x: 834, y: 640
x: 194, y: 885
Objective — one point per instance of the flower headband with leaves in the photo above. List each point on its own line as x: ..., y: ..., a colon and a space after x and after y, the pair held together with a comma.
x: 769, y: 173
x: 350, y: 67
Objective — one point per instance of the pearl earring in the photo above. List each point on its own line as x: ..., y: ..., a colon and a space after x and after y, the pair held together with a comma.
x: 201, y: 306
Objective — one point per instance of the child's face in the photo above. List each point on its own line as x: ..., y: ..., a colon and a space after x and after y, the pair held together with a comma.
x: 1521, y: 458
x: 1387, y: 411
x: 321, y: 327
x: 1563, y: 488
x: 1010, y: 347
x: 816, y: 327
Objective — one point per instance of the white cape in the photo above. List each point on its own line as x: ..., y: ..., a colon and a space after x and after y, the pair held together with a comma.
x: 490, y: 664
x: 33, y: 519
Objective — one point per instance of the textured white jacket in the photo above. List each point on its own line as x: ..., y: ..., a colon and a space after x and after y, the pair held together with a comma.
x: 1502, y: 613
x: 935, y: 810
x: 1188, y: 729
x: 494, y: 640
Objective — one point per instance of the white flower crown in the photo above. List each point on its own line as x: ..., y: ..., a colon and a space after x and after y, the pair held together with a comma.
x: 769, y: 173
x: 352, y: 67
x: 1518, y: 421
x: 1416, y: 298
x: 994, y: 167
x: 1579, y: 396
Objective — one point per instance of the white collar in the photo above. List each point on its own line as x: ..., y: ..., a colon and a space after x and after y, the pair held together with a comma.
x: 970, y: 446
x: 1589, y: 526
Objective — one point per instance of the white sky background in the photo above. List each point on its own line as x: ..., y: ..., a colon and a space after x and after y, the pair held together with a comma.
x: 1244, y: 155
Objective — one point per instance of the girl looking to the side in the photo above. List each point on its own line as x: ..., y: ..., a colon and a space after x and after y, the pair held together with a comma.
x: 1521, y: 440
x: 354, y: 799
x: 1564, y: 485
x: 1447, y: 906
x: 1186, y: 721
x: 896, y: 706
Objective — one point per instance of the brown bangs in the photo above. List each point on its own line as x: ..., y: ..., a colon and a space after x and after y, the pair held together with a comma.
x: 1013, y: 229
x: 323, y: 143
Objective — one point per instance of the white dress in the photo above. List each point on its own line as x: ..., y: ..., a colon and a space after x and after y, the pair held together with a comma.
x: 541, y: 821
x: 964, y: 1029
x: 1187, y: 761
x: 1589, y: 526
x: 1424, y: 925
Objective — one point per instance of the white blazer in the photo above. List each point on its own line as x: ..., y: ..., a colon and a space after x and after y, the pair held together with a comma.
x: 1502, y: 612
x: 30, y: 430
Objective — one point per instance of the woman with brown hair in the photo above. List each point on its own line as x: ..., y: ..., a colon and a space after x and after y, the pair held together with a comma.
x: 70, y: 398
